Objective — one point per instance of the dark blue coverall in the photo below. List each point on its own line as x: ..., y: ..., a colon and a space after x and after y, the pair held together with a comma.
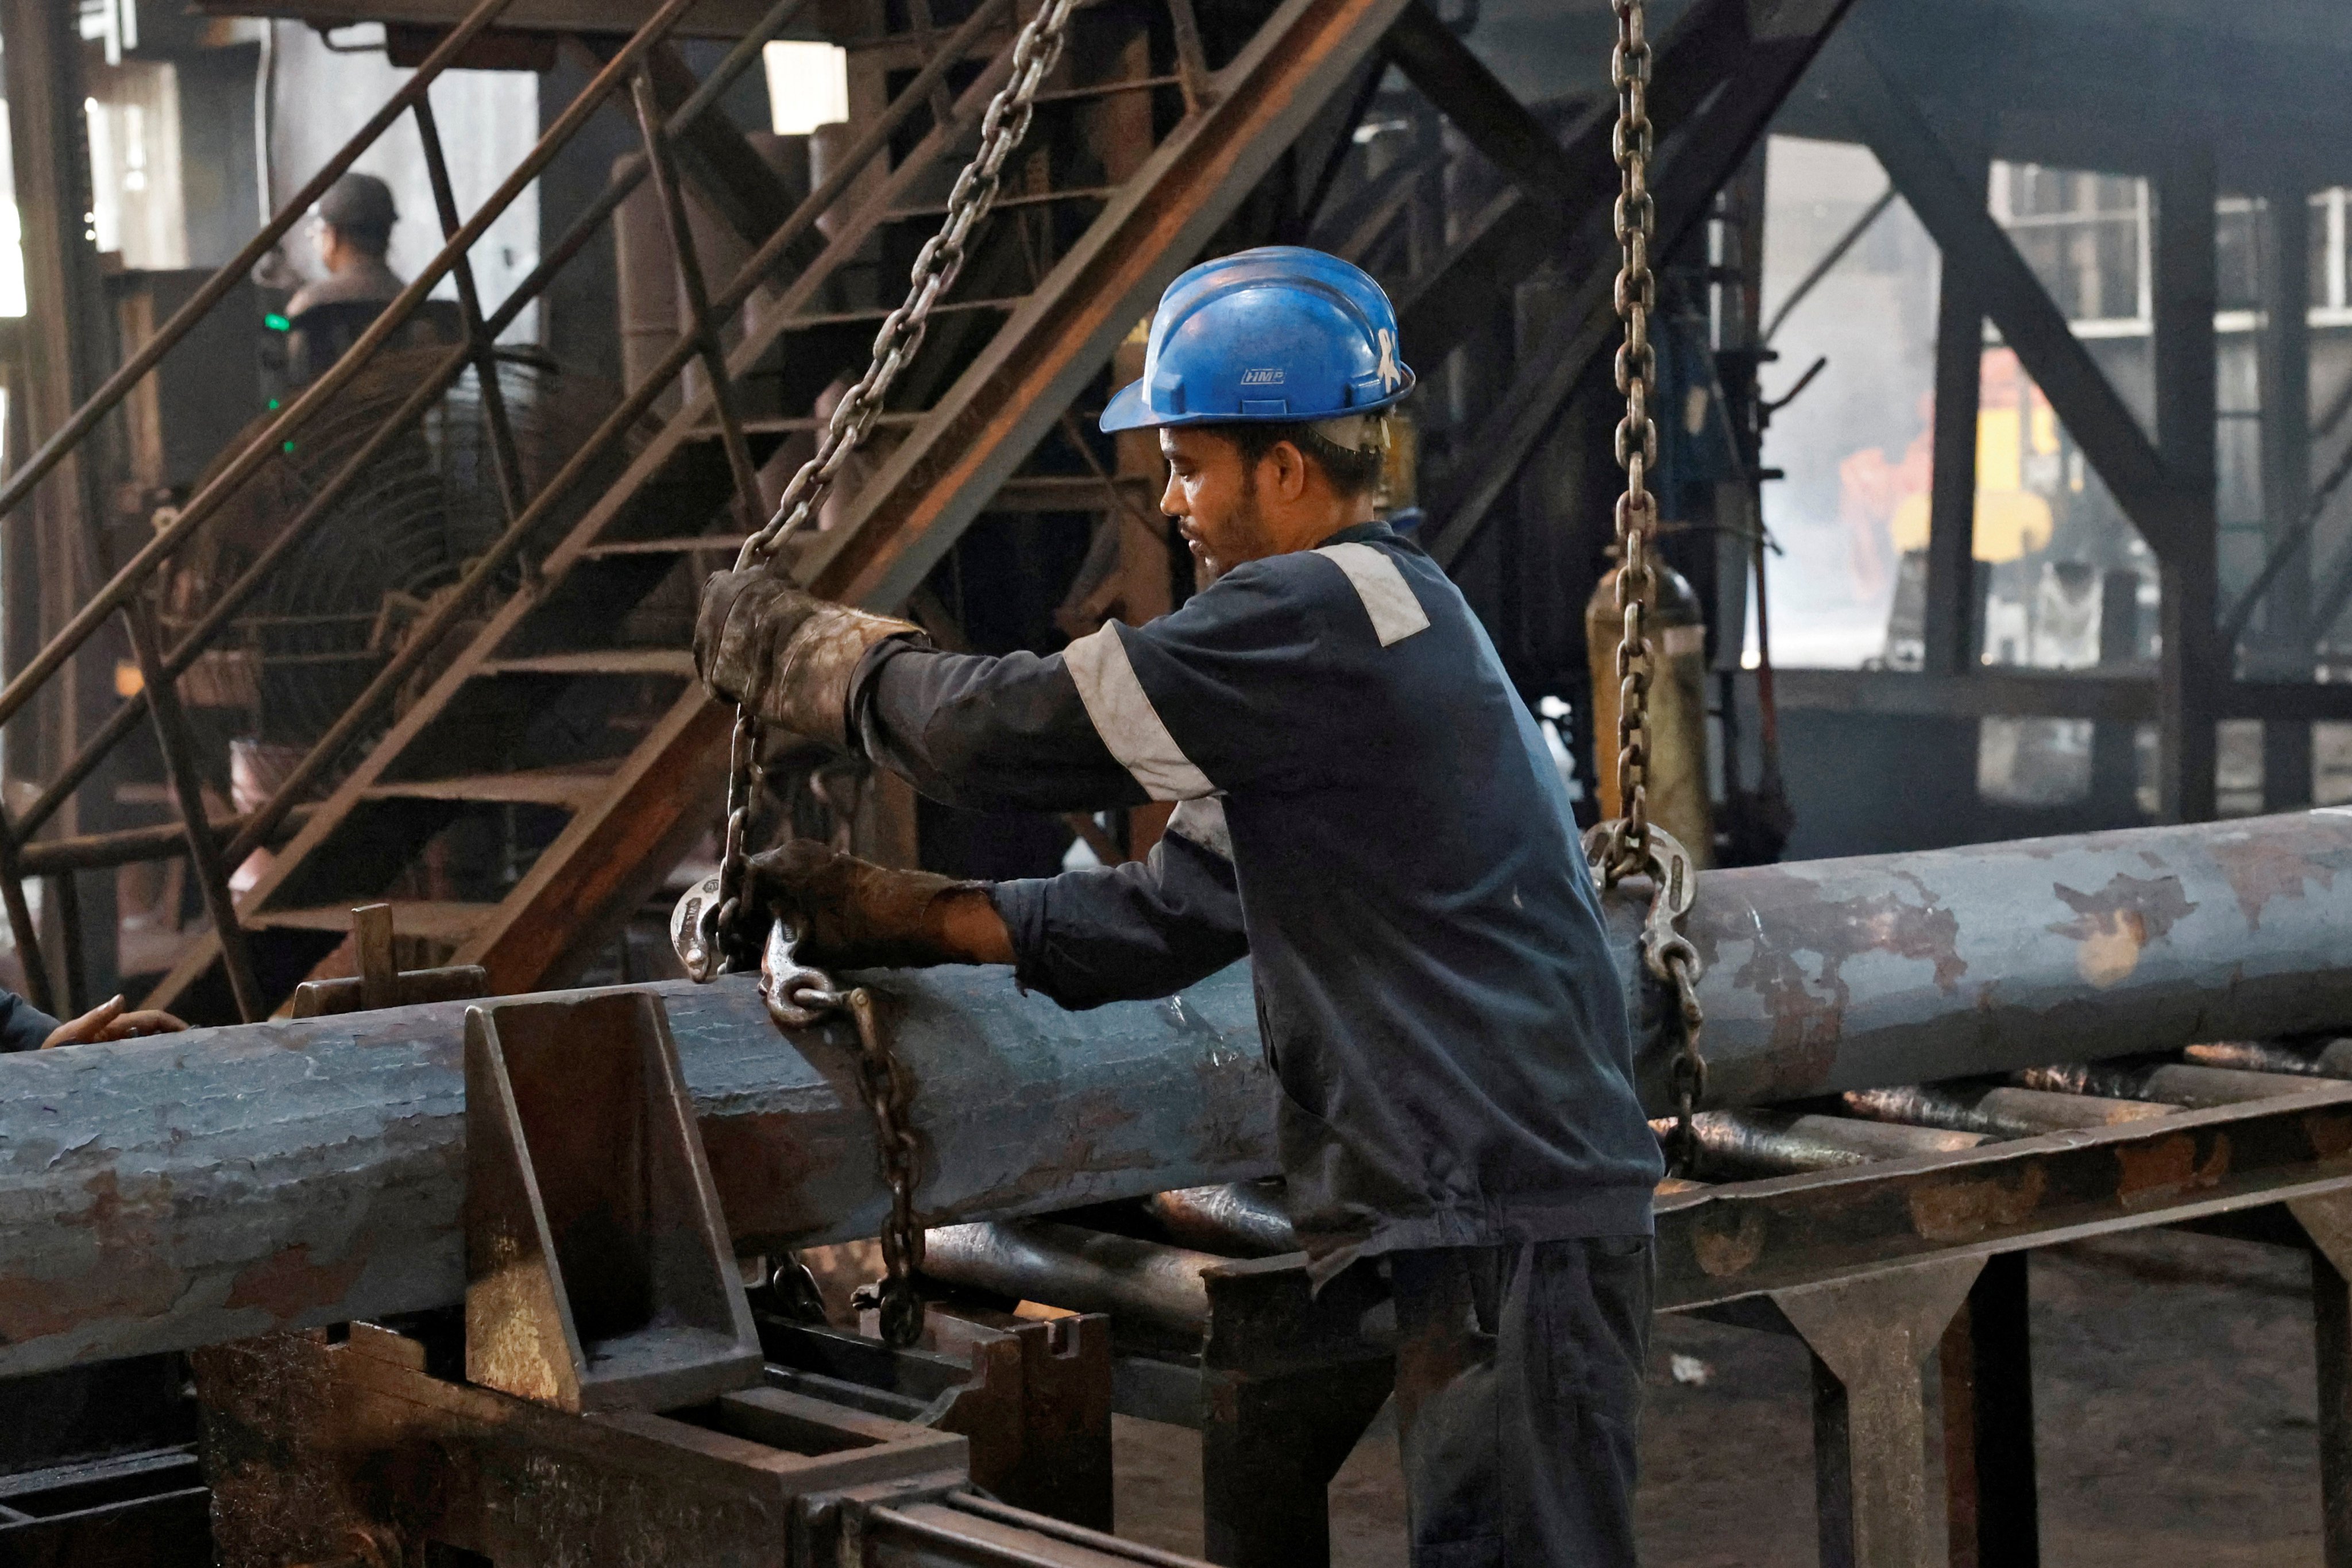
x: 1370, y: 814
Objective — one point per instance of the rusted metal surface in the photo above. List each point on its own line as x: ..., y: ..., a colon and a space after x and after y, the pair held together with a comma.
x: 1749, y: 1143
x: 1142, y: 1284
x: 1240, y: 1219
x: 2167, y: 1083
x: 1859, y: 974
x: 169, y: 1193
x: 194, y: 1188
x: 1726, y: 1242
x: 2003, y: 1112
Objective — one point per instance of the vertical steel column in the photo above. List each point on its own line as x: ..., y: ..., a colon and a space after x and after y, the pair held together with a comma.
x: 1989, y: 1470
x: 664, y: 171
x: 2194, y: 663
x: 1869, y: 1336
x: 2284, y: 650
x: 1950, y: 633
x: 2326, y: 1223
x: 505, y: 456
x: 2115, y: 742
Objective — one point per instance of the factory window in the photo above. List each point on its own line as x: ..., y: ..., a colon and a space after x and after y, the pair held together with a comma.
x: 2086, y: 236
x: 808, y: 85
x: 134, y: 113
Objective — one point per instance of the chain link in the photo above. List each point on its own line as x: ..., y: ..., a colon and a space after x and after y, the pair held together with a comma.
x: 890, y: 1095
x: 1002, y: 129
x: 1632, y: 845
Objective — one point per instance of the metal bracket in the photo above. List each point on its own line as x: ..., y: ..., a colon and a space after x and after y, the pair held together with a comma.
x: 598, y: 1272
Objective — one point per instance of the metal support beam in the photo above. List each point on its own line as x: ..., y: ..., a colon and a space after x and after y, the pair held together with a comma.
x: 1868, y: 1338
x: 1990, y: 1503
x: 1952, y: 207
x: 1952, y: 628
x: 1463, y: 90
x: 2284, y: 650
x: 2326, y: 1222
x: 2193, y: 662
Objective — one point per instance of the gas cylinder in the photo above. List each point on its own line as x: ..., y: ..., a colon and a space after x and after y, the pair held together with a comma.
x: 1678, y: 786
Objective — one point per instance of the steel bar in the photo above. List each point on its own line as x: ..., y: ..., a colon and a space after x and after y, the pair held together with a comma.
x: 1139, y: 1283
x: 1728, y: 1242
x: 1860, y: 973
x: 1738, y: 1145
x: 2333, y: 1060
x: 1239, y: 1218
x: 2168, y: 1083
x: 156, y: 1194
x: 2001, y: 1112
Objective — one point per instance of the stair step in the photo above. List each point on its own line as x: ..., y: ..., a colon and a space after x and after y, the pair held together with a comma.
x: 866, y: 318
x: 571, y: 788
x: 675, y: 661
x: 729, y: 542
x: 437, y: 918
x: 1026, y: 199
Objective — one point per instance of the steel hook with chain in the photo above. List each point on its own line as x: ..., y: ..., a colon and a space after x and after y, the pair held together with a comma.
x: 1632, y: 845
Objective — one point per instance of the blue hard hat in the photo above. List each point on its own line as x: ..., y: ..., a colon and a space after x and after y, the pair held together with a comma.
x: 1280, y: 332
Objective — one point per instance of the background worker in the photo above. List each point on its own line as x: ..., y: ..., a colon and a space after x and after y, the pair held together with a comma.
x: 1369, y: 810
x: 352, y: 229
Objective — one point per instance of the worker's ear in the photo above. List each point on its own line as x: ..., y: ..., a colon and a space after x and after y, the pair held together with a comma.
x: 1289, y: 470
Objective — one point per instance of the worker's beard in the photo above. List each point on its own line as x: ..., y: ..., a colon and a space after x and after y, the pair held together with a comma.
x: 1245, y: 536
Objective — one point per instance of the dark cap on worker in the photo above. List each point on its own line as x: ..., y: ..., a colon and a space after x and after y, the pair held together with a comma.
x: 359, y: 201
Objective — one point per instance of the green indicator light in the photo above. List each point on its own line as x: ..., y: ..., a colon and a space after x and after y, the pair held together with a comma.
x: 277, y: 323
x: 289, y: 448
x: 273, y: 403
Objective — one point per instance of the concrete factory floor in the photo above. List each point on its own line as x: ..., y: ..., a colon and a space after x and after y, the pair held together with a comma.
x: 2173, y: 1383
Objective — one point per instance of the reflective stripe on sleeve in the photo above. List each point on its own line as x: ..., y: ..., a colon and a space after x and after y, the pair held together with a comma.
x: 1130, y: 728
x: 1388, y: 597
x: 1202, y: 822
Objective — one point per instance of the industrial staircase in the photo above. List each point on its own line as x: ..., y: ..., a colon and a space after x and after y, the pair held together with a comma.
x: 547, y: 705
x: 601, y: 748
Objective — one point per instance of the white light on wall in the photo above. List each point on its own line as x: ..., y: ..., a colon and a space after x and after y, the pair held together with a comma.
x: 808, y: 85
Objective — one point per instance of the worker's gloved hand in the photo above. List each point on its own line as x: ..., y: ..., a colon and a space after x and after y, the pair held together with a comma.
x: 852, y: 914
x: 789, y: 654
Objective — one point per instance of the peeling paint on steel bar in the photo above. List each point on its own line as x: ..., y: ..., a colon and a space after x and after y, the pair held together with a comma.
x: 2332, y: 1060
x: 1725, y: 1242
x: 1859, y: 974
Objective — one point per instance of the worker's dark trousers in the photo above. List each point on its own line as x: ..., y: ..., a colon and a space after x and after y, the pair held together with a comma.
x: 1519, y: 1389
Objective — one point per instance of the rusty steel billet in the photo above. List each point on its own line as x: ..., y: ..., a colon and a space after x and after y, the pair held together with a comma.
x: 1140, y: 1283
x: 188, y: 1189
x: 1857, y: 973
x: 172, y: 1192
x: 2331, y: 1059
x: 1997, y: 1111
x: 2168, y: 1083
x: 1738, y: 1145
x: 1239, y: 1219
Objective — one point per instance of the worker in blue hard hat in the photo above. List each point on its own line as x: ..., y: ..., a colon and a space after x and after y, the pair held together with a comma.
x: 1369, y: 813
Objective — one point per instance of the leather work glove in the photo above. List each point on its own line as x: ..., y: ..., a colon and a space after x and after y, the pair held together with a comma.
x: 852, y: 914
x: 789, y: 654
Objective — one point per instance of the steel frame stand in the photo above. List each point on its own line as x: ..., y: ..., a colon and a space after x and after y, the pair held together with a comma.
x: 1989, y: 1485
x: 2327, y: 1226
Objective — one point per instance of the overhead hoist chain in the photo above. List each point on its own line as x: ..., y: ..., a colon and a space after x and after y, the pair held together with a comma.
x: 795, y: 994
x: 1632, y: 845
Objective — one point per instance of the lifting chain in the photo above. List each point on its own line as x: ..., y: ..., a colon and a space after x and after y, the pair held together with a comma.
x: 1632, y: 845
x: 796, y: 994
